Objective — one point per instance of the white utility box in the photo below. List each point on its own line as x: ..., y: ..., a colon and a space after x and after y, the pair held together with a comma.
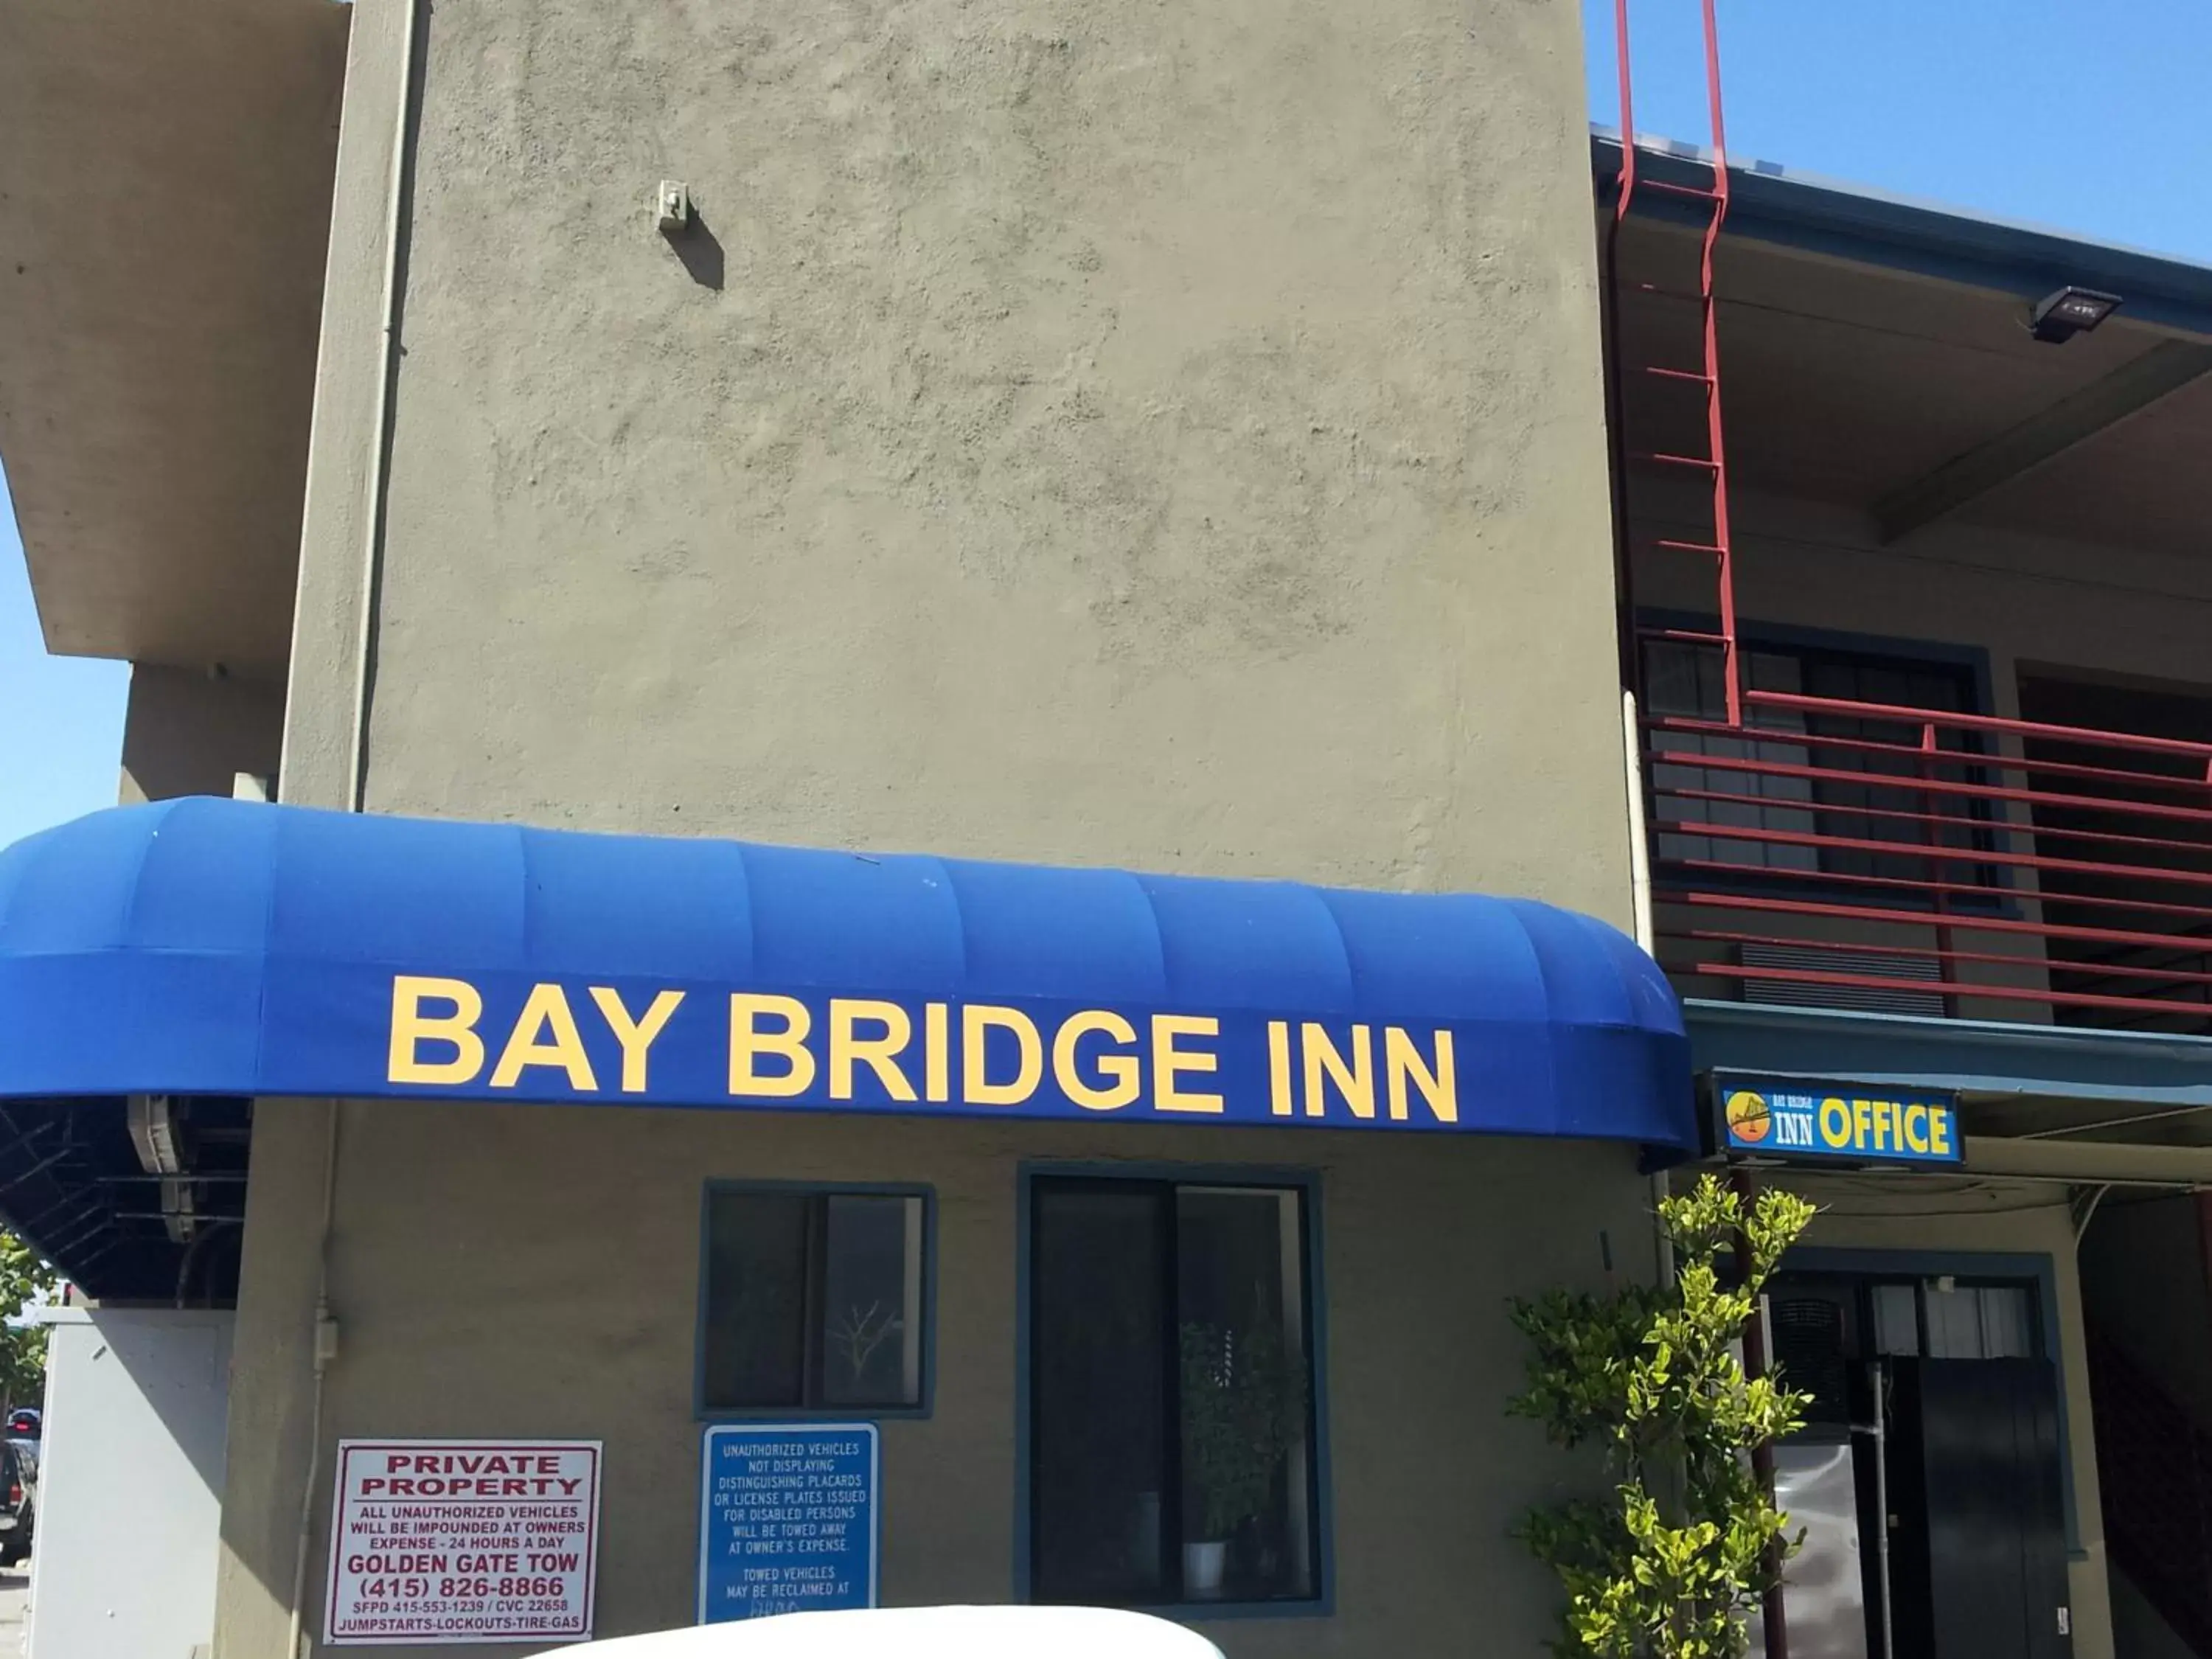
x: 130, y: 1483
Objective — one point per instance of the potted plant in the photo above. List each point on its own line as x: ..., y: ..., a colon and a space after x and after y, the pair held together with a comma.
x: 1243, y: 1408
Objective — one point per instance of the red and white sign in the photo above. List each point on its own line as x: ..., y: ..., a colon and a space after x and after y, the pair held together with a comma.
x: 463, y: 1541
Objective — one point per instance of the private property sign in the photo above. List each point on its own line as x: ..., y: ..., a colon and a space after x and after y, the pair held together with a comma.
x: 437, y: 1541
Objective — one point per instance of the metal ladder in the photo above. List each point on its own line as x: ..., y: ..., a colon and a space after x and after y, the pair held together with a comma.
x: 1705, y: 378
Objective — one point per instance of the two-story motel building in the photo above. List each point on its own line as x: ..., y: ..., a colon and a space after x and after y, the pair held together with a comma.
x: 715, y: 661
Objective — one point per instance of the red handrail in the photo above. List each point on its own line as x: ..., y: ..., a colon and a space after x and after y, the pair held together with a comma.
x: 1931, y: 852
x: 1891, y: 916
x: 2081, y: 734
x: 1944, y: 787
x: 1975, y: 759
x: 1951, y: 987
x: 1941, y: 820
x: 1995, y: 958
x: 1942, y: 843
x: 1910, y: 884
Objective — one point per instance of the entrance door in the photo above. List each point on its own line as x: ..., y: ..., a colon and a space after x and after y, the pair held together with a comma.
x: 1977, y: 1550
x: 1941, y: 1397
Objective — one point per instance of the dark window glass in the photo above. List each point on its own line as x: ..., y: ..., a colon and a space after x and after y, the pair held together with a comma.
x: 871, y: 1287
x: 1935, y: 1318
x: 1820, y: 792
x: 812, y: 1300
x: 1171, y: 1379
x: 1098, y: 1379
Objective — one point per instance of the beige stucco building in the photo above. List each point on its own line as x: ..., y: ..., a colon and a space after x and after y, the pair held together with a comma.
x: 1208, y: 444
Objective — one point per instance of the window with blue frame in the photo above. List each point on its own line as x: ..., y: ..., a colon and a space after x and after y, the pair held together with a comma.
x: 1171, y: 1394
x: 812, y: 1300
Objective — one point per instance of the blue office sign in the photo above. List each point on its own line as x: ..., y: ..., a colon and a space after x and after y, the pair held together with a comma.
x: 1822, y: 1120
x: 789, y: 1519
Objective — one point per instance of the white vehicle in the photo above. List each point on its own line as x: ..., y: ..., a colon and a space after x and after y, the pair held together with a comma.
x: 919, y: 1633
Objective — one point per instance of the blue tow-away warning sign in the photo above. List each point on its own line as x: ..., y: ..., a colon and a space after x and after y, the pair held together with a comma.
x: 789, y: 1520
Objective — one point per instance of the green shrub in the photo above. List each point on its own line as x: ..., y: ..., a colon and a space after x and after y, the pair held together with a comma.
x: 1672, y: 1566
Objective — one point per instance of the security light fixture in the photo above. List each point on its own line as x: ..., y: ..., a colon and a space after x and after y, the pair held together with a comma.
x: 2057, y: 318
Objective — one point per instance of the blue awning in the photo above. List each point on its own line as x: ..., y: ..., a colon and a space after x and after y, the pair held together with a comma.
x: 217, y: 947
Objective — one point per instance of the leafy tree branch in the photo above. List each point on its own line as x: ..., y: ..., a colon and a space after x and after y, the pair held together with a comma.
x: 24, y: 1277
x: 1671, y: 1567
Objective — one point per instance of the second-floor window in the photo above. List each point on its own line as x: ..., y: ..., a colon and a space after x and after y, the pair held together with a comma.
x: 1826, y: 794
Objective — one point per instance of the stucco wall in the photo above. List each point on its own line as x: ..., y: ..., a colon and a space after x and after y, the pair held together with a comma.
x: 2005, y: 1217
x: 1097, y: 433
x: 192, y: 734
x: 157, y: 352
x: 534, y: 1271
x: 1103, y: 433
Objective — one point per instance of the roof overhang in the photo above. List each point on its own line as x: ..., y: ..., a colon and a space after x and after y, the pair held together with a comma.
x: 1858, y: 225
x: 210, y: 947
x: 1877, y: 357
x: 2021, y: 1078
x: 167, y: 174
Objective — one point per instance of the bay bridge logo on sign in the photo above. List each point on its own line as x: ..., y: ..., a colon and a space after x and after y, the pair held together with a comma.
x: 1838, y: 1122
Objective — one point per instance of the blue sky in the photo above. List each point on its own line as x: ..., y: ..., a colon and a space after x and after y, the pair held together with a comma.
x: 61, y: 717
x: 2083, y: 118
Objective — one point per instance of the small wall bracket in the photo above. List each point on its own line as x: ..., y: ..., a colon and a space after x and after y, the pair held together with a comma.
x: 672, y: 207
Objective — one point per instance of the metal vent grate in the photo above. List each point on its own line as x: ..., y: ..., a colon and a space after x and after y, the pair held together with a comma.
x: 1867, y: 964
x: 1808, y: 1350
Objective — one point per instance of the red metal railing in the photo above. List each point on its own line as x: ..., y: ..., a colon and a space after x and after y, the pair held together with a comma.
x: 1844, y: 854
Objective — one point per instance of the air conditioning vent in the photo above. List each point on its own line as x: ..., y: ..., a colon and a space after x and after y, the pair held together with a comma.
x: 1864, y: 964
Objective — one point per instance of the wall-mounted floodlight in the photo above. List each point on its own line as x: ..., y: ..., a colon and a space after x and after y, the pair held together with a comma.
x: 2057, y: 318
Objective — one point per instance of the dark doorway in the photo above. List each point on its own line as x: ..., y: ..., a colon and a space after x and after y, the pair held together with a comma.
x: 1927, y: 1479
x: 1978, y: 1556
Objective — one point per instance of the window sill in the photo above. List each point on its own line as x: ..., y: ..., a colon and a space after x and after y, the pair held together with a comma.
x: 812, y: 1414
x: 1199, y: 1613
x: 1204, y: 1611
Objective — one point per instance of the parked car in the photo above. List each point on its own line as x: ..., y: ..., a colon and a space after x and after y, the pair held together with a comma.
x: 23, y: 1423
x: 1002, y: 1632
x: 19, y: 1499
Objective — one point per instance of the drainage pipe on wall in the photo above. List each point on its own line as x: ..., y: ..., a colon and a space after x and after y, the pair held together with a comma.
x: 372, y: 556
x: 325, y: 1339
x: 1639, y: 884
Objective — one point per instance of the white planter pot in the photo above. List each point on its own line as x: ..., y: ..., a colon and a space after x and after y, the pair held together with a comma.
x: 1201, y: 1568
x: 1144, y: 1537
